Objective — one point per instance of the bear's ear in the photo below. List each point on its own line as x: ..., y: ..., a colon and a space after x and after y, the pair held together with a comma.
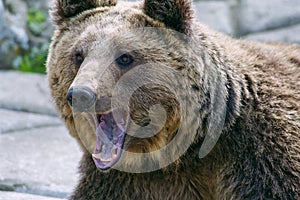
x: 175, y: 14
x: 64, y: 9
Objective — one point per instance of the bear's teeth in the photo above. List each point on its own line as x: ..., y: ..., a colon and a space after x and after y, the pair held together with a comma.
x: 100, y: 157
x: 106, y: 156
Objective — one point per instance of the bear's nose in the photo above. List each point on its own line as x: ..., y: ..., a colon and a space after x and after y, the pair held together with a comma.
x: 81, y: 98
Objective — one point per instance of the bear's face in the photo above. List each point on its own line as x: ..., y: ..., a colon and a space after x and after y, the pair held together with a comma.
x: 124, y: 78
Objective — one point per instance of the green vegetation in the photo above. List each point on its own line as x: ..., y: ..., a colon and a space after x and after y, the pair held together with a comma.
x: 34, y: 59
x: 36, y: 21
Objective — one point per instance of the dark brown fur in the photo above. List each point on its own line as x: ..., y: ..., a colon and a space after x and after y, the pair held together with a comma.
x: 258, y: 153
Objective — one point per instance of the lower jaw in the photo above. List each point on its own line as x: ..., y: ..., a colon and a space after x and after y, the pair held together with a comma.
x: 115, y: 156
x: 102, y: 166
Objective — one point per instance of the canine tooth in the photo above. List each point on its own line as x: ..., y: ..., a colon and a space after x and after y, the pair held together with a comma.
x: 114, y: 155
x: 108, y: 153
x: 98, y: 156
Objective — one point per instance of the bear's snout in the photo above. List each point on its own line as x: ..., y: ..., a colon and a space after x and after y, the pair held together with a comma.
x: 81, y: 98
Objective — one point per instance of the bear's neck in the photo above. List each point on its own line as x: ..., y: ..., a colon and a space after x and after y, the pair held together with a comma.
x: 177, y: 182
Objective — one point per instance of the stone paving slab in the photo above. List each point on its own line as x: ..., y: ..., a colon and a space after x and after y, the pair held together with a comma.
x: 25, y: 92
x: 20, y: 196
x: 11, y: 121
x: 215, y: 14
x: 289, y: 34
x: 257, y: 15
x: 40, y: 161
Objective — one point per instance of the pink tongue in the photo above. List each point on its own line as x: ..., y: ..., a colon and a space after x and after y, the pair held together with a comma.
x: 109, y: 127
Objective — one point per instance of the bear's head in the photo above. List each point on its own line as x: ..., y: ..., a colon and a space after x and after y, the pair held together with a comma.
x: 133, y: 81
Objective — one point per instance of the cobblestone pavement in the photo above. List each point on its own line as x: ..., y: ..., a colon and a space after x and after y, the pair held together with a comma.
x: 38, y: 158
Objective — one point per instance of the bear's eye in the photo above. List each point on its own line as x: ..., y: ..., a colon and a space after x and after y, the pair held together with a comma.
x: 124, y: 60
x: 78, y: 58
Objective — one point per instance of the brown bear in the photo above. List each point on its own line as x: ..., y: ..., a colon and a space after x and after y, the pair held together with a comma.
x: 165, y: 108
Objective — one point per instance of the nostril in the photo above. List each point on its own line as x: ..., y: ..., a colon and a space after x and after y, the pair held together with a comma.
x: 81, y: 98
x: 69, y: 96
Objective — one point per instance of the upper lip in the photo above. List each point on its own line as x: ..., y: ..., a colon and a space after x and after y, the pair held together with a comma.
x: 103, y: 105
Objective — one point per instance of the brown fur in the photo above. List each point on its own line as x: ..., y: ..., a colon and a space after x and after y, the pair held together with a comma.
x: 258, y: 153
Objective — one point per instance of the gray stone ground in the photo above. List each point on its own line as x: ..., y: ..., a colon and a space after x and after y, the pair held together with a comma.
x: 38, y: 158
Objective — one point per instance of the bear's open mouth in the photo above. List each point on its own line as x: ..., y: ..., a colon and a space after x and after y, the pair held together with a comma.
x: 110, y: 133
